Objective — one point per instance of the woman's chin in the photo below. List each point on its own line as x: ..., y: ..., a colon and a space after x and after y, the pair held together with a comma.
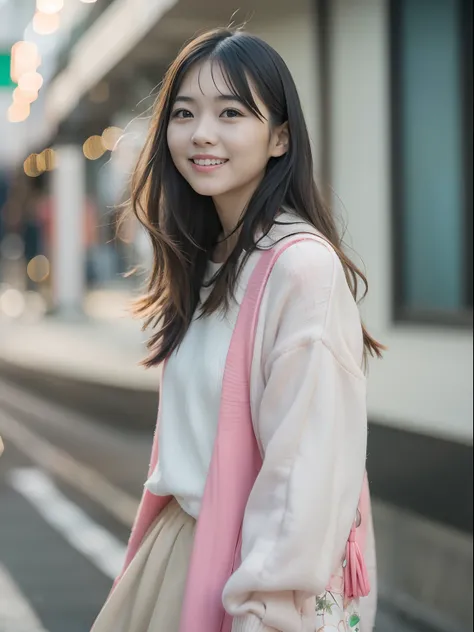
x: 208, y: 189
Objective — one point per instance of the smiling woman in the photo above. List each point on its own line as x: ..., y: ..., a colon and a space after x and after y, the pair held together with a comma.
x: 219, y: 136
x: 256, y: 512
x: 227, y: 91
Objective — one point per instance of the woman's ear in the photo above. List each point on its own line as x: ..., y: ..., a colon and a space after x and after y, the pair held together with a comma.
x: 280, y: 141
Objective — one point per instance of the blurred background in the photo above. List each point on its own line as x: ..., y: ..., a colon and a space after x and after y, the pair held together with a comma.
x: 386, y: 86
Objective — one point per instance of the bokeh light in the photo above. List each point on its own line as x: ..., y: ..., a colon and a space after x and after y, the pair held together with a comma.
x: 41, y: 162
x: 49, y: 6
x: 12, y: 303
x: 48, y: 159
x: 30, y: 166
x: 25, y: 57
x: 30, y: 82
x: 94, y: 148
x: 38, y: 269
x: 46, y: 23
x: 18, y: 112
x: 36, y: 164
x: 111, y: 136
x: 24, y: 97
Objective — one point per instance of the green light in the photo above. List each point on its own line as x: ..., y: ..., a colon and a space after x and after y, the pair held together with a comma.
x: 5, y: 79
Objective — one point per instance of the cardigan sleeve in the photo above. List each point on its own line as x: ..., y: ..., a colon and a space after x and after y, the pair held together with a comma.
x: 311, y: 423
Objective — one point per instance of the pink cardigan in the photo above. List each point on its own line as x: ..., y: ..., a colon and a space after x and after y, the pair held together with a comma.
x: 235, y: 464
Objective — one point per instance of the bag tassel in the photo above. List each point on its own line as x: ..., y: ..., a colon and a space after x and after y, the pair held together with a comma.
x: 356, y: 577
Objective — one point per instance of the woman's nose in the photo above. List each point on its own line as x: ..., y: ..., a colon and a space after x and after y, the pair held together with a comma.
x: 204, y: 134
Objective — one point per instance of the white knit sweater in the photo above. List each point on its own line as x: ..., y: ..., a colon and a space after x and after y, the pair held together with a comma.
x: 308, y: 403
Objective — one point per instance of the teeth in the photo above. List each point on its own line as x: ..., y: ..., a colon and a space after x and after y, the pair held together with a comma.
x: 208, y: 163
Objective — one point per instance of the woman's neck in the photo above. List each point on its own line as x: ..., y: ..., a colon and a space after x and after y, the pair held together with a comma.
x: 231, y: 206
x: 229, y: 215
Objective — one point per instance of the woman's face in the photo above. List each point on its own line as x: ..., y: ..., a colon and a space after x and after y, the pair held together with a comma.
x: 216, y: 143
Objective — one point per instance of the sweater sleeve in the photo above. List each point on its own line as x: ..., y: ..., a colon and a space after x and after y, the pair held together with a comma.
x: 311, y: 423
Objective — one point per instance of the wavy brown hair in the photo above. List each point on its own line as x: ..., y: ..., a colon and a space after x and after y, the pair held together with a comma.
x: 184, y: 226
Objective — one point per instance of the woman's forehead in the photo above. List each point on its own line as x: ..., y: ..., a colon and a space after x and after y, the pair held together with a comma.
x: 209, y: 80
x: 206, y: 79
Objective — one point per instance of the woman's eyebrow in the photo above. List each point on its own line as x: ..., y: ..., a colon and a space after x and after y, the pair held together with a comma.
x: 222, y: 97
x: 185, y: 99
x: 229, y: 97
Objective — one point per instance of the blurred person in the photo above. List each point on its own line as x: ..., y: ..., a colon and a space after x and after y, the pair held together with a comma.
x: 256, y: 513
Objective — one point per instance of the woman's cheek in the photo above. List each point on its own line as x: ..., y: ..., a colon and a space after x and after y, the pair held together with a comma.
x: 174, y: 139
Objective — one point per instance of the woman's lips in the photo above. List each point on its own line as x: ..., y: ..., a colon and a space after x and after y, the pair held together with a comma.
x: 205, y: 165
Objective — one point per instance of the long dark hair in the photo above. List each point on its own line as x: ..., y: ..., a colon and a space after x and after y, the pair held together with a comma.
x: 184, y: 226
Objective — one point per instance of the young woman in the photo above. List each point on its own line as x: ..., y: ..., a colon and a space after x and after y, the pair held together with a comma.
x: 248, y: 519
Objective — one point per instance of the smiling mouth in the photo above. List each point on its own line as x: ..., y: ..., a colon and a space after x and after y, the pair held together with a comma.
x: 208, y: 162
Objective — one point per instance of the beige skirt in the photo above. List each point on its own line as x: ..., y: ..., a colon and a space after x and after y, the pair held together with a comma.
x: 149, y: 596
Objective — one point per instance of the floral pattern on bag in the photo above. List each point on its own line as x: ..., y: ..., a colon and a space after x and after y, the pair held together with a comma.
x: 335, y: 614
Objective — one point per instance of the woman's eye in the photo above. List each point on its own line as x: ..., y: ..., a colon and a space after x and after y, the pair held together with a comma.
x: 231, y: 113
x: 181, y: 114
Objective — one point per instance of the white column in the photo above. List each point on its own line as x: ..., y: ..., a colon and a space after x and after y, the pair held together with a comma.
x: 69, y: 257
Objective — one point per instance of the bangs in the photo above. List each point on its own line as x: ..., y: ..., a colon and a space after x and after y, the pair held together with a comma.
x: 227, y: 55
x: 236, y: 81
